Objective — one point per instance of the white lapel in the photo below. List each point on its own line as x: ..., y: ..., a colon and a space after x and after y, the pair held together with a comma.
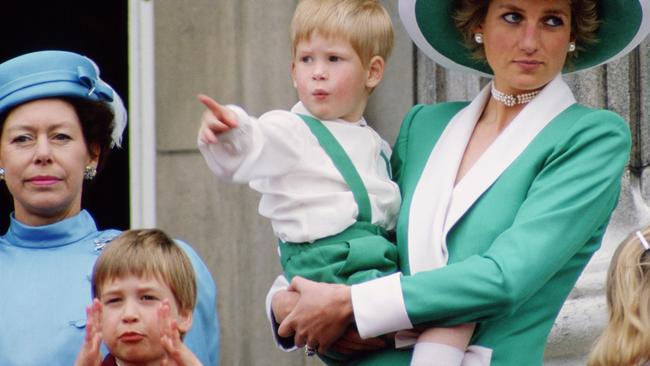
x: 437, y: 205
x: 550, y: 102
x: 432, y: 195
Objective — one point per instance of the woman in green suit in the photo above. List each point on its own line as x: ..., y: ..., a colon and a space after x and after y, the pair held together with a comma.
x: 505, y: 198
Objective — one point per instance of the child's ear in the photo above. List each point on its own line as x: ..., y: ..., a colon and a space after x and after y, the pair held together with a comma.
x: 293, y: 75
x: 184, y: 320
x: 375, y: 72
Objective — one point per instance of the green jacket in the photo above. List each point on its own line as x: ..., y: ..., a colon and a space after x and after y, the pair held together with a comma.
x: 517, y: 252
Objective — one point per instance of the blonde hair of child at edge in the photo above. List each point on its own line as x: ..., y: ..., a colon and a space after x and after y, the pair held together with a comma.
x: 364, y: 23
x: 147, y: 253
x: 626, y: 338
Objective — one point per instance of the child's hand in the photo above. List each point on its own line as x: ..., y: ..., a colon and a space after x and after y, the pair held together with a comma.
x: 351, y: 343
x: 216, y: 119
x: 171, y: 341
x: 89, y: 354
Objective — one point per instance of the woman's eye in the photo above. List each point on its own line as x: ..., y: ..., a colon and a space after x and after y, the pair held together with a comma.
x: 334, y: 59
x: 306, y: 59
x: 62, y: 137
x: 554, y: 21
x: 21, y: 138
x: 512, y: 17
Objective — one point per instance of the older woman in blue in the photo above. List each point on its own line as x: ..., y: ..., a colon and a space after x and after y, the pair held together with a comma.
x: 58, y: 122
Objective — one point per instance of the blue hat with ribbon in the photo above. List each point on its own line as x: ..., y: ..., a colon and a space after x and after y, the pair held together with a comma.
x: 51, y: 74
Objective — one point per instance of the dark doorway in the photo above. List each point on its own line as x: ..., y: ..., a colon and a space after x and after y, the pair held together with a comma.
x: 99, y: 30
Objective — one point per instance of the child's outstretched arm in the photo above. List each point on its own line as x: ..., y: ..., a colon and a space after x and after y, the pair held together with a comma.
x: 215, y: 120
x: 90, y: 354
x: 171, y: 340
x: 240, y: 148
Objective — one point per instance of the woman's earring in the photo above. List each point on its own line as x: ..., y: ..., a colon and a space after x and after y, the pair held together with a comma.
x: 478, y: 38
x: 572, y: 46
x: 2, y: 174
x: 90, y: 172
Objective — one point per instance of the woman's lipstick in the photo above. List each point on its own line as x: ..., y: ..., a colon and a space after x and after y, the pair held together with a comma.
x: 528, y: 65
x: 43, y: 180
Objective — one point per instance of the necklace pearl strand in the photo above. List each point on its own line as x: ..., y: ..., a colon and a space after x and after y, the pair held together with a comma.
x: 512, y: 99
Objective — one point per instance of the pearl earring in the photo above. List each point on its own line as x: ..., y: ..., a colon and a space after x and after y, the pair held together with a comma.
x: 478, y: 38
x: 2, y: 174
x: 90, y: 172
x: 572, y: 46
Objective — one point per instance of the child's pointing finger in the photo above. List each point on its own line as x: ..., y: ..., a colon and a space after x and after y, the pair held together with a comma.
x: 221, y: 113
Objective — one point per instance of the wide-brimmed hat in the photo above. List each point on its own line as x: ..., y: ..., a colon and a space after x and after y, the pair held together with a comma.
x: 50, y: 74
x: 623, y: 25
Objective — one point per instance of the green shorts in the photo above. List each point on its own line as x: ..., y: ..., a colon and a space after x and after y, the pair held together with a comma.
x: 360, y: 253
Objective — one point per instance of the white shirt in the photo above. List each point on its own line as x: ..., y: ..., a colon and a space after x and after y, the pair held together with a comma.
x: 303, y: 194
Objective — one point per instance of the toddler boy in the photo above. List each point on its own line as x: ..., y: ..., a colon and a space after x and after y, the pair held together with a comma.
x: 323, y: 172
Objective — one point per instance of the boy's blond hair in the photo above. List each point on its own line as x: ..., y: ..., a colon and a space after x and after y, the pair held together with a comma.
x: 626, y: 338
x: 364, y: 23
x: 147, y: 253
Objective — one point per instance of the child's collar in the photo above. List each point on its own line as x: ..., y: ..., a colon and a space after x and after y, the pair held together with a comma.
x: 300, y: 108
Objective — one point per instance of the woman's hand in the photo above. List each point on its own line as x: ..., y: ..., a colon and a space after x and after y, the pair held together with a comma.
x: 90, y: 354
x: 321, y: 315
x: 351, y: 343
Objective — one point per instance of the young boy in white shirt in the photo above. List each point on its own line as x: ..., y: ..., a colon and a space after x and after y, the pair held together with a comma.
x: 323, y: 172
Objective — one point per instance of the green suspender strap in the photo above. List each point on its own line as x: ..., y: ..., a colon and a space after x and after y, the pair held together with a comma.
x: 343, y: 163
x: 358, y: 253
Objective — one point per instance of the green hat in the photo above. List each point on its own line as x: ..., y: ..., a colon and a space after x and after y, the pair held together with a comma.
x: 624, y: 24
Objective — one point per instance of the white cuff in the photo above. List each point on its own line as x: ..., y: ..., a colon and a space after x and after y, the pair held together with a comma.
x: 379, y: 306
x: 227, y: 156
x: 279, y: 284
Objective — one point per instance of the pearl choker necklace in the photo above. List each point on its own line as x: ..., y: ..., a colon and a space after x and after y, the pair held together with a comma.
x: 510, y: 99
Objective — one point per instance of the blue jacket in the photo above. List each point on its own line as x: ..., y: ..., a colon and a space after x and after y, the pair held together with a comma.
x: 45, y: 288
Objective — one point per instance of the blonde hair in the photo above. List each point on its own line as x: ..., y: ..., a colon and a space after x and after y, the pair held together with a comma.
x: 626, y: 338
x: 145, y: 253
x: 364, y: 23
